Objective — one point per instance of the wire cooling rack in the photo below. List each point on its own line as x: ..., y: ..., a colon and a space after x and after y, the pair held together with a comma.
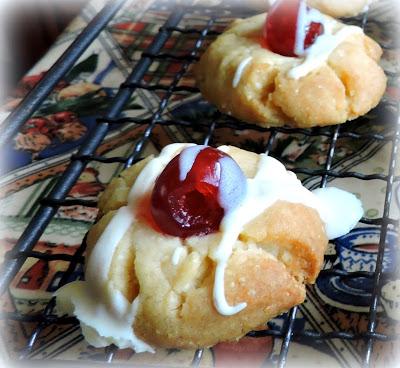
x: 87, y: 153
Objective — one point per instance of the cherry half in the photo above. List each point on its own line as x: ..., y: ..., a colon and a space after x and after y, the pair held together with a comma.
x: 281, y: 27
x: 196, y: 188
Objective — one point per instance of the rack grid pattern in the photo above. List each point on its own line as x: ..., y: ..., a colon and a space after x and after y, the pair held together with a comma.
x: 87, y: 153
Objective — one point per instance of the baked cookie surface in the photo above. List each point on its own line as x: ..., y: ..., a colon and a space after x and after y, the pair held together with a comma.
x: 248, y: 81
x: 334, y: 8
x: 267, y: 269
x: 341, y: 8
x: 144, y: 288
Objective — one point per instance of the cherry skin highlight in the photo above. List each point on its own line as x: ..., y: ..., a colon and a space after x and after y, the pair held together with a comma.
x: 190, y: 206
x: 280, y: 28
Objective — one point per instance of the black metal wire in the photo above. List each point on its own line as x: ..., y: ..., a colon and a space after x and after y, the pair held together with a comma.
x: 44, y: 256
x: 110, y: 353
x: 52, y: 202
x: 297, y: 335
x: 104, y: 160
x: 198, y: 355
x: 23, y: 249
x: 48, y: 311
x: 15, y: 316
x: 322, y: 336
x: 66, y: 61
x: 46, y: 212
x: 232, y: 123
x: 292, y: 314
x: 170, y: 90
x: 191, y: 31
x: 160, y: 87
x: 382, y: 244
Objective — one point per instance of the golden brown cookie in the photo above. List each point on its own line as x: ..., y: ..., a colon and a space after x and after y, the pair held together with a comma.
x: 275, y: 256
x: 248, y: 81
x: 334, y: 8
x: 341, y: 8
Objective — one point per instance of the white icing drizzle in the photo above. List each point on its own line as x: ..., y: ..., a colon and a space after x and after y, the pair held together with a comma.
x: 239, y: 71
x: 232, y: 180
x: 187, y: 159
x: 99, y: 263
x: 232, y: 191
x: 177, y: 255
x: 147, y: 177
x: 272, y: 183
x: 302, y: 21
x: 231, y: 226
x: 305, y: 17
x: 318, y: 53
x: 99, y: 326
x: 340, y: 210
x: 105, y: 314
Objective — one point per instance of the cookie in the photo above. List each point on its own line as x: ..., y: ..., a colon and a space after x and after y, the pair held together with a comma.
x: 334, y: 8
x: 145, y: 288
x: 341, y: 8
x: 338, y: 78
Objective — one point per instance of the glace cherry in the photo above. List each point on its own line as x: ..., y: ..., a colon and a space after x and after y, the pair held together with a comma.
x: 190, y: 196
x: 281, y: 28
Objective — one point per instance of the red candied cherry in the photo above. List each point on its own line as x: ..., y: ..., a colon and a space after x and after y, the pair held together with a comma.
x: 197, y: 187
x: 290, y: 23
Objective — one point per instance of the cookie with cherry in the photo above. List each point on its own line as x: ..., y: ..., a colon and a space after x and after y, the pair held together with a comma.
x: 292, y: 66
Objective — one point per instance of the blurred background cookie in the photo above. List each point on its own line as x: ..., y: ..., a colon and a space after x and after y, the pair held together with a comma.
x: 262, y: 76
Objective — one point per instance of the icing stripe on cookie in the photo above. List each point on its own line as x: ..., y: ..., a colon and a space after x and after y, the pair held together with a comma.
x: 317, y: 54
x: 239, y: 71
x: 106, y: 315
x: 177, y: 255
x: 271, y: 184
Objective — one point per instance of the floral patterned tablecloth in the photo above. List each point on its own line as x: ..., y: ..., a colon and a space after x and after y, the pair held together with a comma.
x: 43, y: 147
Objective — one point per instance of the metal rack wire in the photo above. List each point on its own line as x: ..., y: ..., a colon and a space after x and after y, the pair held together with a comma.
x: 87, y: 153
